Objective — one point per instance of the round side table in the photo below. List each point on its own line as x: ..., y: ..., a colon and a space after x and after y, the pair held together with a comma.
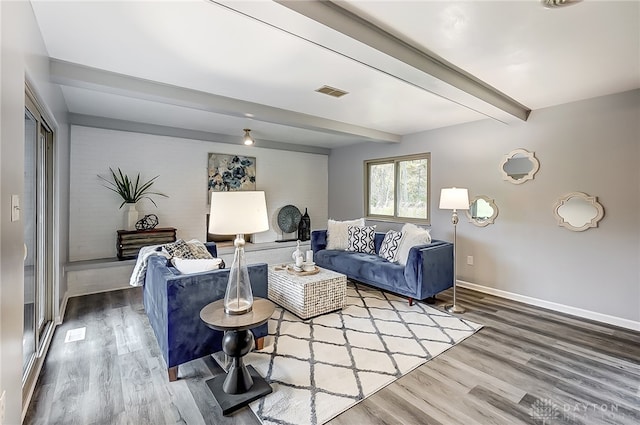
x: 242, y: 384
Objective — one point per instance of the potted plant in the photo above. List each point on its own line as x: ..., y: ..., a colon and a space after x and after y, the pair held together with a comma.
x: 131, y: 192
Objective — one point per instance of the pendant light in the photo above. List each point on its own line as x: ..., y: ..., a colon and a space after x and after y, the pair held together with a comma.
x: 247, y: 139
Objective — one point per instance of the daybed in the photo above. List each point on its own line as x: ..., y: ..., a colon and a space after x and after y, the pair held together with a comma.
x: 173, y: 302
x: 429, y: 267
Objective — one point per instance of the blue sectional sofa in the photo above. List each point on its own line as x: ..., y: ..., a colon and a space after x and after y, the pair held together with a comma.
x: 429, y: 268
x: 173, y: 302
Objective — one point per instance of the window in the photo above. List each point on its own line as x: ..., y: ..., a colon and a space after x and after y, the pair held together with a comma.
x: 398, y: 188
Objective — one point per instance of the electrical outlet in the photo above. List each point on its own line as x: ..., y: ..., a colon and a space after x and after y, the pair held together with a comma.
x: 2, y: 399
x: 15, y: 207
x: 470, y: 260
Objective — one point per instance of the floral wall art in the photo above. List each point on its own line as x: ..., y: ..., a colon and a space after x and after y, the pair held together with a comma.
x: 230, y: 172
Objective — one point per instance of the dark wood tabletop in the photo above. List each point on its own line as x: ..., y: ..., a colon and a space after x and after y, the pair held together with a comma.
x: 213, y: 316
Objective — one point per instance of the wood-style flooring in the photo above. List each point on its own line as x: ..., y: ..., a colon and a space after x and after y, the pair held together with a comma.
x: 527, y: 365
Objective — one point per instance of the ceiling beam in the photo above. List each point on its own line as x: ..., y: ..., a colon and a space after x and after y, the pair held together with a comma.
x: 75, y: 75
x: 185, y: 133
x: 348, y: 23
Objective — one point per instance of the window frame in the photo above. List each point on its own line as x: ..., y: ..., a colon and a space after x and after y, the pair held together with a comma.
x: 396, y: 160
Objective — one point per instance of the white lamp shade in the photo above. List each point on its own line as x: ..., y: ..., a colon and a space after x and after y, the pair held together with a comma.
x: 453, y: 198
x: 239, y: 212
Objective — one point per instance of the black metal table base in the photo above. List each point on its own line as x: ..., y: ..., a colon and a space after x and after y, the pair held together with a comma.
x: 229, y: 403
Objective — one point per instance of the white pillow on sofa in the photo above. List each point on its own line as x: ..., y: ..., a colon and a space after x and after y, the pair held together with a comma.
x: 413, y: 235
x: 197, y: 265
x: 338, y: 233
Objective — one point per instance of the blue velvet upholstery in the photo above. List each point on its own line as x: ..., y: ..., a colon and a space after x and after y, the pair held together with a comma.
x: 173, y: 302
x: 429, y: 268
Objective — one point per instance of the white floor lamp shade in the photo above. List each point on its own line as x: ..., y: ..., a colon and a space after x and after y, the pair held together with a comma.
x: 238, y: 213
x: 454, y: 198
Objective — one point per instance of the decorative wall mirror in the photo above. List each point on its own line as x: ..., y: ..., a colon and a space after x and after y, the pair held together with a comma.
x: 518, y: 166
x: 578, y: 211
x: 482, y: 211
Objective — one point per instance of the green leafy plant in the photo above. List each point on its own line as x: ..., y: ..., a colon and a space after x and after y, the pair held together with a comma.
x: 129, y: 191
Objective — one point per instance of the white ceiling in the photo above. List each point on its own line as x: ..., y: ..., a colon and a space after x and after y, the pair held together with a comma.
x: 222, y: 66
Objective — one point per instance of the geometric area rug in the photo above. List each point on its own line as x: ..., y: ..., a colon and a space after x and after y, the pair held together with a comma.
x: 320, y: 367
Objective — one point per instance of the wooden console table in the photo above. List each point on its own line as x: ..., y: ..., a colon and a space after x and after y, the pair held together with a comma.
x: 130, y: 241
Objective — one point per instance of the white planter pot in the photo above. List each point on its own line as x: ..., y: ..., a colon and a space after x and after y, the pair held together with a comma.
x: 130, y: 216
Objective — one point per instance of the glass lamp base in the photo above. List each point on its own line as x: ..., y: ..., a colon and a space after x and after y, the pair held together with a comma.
x: 236, y: 307
x: 238, y: 298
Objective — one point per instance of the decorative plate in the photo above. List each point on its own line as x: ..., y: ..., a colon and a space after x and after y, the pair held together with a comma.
x: 289, y: 218
x: 291, y: 270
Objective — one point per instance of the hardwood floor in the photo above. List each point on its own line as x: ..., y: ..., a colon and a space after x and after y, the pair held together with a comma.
x: 527, y: 365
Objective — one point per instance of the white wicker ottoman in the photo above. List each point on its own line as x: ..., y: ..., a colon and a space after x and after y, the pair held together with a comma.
x: 308, y: 296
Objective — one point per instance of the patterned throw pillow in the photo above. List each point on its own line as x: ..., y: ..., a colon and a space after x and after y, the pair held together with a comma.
x: 192, y: 250
x: 198, y: 249
x: 361, y: 239
x: 178, y: 249
x: 390, y: 245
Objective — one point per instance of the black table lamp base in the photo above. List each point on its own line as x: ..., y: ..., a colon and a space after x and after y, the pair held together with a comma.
x: 242, y: 384
x: 229, y: 403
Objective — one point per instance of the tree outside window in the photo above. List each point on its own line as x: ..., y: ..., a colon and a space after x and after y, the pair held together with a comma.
x: 398, y: 188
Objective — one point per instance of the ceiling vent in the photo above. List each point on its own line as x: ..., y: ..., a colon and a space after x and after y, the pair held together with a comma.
x: 331, y: 91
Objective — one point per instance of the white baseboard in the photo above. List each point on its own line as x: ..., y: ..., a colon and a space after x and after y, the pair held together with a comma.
x: 100, y: 291
x: 574, y: 311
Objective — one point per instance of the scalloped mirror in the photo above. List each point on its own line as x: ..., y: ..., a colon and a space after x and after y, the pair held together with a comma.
x: 519, y: 166
x: 482, y: 211
x: 578, y: 211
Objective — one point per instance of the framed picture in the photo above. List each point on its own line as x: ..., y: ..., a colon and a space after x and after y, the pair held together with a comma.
x: 230, y: 172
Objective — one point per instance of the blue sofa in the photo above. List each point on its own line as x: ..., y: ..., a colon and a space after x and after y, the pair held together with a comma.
x: 429, y: 268
x: 173, y: 302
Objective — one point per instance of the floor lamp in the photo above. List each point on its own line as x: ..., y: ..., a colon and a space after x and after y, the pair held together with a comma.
x: 238, y: 213
x: 454, y: 199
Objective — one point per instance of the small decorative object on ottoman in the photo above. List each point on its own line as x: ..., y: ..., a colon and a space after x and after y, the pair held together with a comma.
x: 307, y: 294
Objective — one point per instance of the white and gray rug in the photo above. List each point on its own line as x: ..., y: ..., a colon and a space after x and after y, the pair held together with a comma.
x: 320, y: 367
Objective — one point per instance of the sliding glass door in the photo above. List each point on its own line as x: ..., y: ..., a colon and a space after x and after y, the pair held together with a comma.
x: 36, y: 214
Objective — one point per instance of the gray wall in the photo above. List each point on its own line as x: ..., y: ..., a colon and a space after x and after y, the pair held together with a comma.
x: 590, y: 146
x: 23, y: 54
x: 182, y: 166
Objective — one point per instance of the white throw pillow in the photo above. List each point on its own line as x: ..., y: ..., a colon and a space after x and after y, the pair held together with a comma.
x: 390, y: 245
x: 413, y: 235
x: 338, y: 233
x: 189, y: 265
